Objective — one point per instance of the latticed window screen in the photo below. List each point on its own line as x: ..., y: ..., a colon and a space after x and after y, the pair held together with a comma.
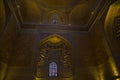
x: 52, y: 69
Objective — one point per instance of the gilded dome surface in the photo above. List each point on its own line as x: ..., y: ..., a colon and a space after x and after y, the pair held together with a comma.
x: 57, y: 3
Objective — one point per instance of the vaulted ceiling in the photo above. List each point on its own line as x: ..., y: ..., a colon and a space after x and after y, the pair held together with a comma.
x: 79, y: 13
x: 57, y: 3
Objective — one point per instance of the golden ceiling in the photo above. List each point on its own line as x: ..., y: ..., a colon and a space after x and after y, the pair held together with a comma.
x: 74, y: 12
x: 70, y: 12
x: 57, y: 3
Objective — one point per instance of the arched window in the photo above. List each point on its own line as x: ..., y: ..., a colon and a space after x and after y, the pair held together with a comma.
x: 53, y: 69
x: 55, y: 19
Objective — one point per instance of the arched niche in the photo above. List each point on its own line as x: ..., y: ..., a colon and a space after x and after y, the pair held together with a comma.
x: 55, y: 49
x: 28, y: 10
x: 80, y: 15
x: 112, y: 33
x: 55, y: 17
x: 112, y: 27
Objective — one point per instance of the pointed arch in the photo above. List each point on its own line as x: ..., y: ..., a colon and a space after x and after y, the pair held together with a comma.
x: 55, y: 50
x: 112, y: 26
x: 80, y: 15
x: 55, y: 39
